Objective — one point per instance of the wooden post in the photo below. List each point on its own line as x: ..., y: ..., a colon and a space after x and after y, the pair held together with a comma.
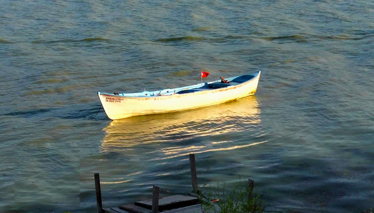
x: 193, y: 173
x: 251, y: 185
x: 98, y: 193
x: 156, y: 197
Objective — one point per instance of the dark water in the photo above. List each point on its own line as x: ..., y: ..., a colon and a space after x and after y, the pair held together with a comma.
x: 306, y: 138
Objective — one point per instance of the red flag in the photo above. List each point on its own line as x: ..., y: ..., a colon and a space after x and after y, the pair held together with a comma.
x: 204, y: 74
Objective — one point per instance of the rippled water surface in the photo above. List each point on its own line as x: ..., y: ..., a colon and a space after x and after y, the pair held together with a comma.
x: 306, y: 138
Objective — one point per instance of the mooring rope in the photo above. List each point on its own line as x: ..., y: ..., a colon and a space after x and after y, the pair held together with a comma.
x: 97, y: 112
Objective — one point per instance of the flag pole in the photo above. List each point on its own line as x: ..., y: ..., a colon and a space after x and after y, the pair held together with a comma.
x: 203, y: 74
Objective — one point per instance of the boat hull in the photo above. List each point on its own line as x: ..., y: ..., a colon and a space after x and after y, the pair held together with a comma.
x: 118, y: 107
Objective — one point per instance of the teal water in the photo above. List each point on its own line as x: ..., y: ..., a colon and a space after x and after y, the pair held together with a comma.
x: 306, y: 138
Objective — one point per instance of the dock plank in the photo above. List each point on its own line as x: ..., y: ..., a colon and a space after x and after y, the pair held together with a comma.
x: 134, y: 209
x: 170, y: 202
x: 108, y: 210
x: 188, y: 209
x: 118, y: 210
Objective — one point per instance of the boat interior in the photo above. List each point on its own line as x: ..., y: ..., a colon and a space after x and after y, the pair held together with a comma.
x: 233, y: 81
x: 217, y: 84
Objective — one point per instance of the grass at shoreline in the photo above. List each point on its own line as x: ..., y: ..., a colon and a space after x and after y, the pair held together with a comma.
x: 233, y: 200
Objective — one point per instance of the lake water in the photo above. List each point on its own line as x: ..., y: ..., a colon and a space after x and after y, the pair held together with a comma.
x: 306, y: 138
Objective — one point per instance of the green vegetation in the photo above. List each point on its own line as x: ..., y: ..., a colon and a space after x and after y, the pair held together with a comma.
x: 233, y: 201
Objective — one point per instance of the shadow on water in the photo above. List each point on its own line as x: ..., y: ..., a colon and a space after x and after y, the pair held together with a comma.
x: 29, y: 113
x: 282, y: 38
x: 96, y: 39
x: 184, y: 38
x: 198, y: 39
x: 309, y: 37
x: 92, y: 112
x: 298, y: 38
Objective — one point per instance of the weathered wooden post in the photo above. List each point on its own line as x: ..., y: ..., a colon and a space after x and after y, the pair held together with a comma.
x: 156, y: 197
x: 193, y: 173
x: 98, y: 193
x: 251, y: 184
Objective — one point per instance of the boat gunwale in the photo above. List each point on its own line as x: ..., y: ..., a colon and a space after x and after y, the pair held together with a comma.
x: 175, y: 95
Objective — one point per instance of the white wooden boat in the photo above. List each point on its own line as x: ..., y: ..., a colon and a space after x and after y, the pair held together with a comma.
x: 123, y: 105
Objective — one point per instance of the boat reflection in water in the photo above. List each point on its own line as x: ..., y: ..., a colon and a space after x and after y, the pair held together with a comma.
x: 215, y: 128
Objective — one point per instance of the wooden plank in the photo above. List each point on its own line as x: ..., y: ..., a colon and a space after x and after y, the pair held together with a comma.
x: 251, y: 185
x: 98, y: 193
x: 134, y: 209
x: 188, y: 209
x: 171, y: 202
x: 108, y: 210
x: 118, y: 210
x: 193, y: 173
x: 155, y: 199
